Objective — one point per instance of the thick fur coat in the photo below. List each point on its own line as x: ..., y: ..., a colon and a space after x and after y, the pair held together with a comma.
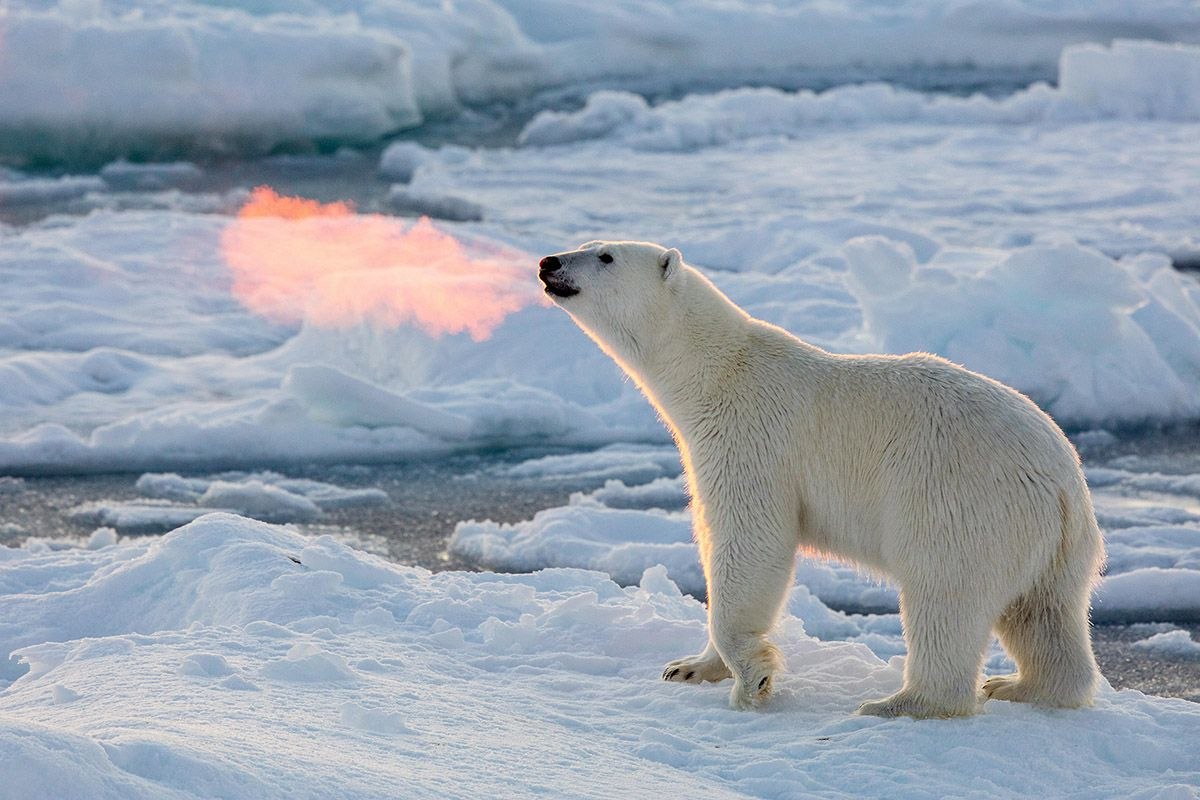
x: 956, y: 487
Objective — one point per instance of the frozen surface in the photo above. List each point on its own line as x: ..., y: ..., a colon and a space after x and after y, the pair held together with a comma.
x: 1130, y: 80
x: 1170, y: 643
x: 208, y: 662
x: 164, y: 316
x: 172, y: 500
x: 1134, y: 350
x: 151, y: 76
x: 122, y: 343
x: 1151, y: 523
x: 162, y: 328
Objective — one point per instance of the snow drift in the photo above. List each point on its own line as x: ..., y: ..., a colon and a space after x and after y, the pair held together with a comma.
x: 208, y: 662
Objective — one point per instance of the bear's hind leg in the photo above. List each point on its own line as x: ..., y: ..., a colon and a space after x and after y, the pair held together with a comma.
x: 945, y: 654
x: 1051, y: 643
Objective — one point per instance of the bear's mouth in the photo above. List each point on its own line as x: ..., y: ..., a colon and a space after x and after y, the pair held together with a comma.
x: 555, y: 287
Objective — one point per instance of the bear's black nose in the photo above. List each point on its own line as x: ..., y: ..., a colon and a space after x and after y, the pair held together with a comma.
x: 549, y: 264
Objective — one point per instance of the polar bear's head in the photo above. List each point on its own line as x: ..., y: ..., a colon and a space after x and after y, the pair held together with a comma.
x: 613, y: 288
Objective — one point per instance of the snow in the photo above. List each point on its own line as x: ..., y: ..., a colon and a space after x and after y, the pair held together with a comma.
x: 1133, y: 79
x: 409, y: 203
x: 17, y: 189
x: 150, y: 177
x: 101, y: 537
x: 152, y: 76
x: 123, y: 343
x: 155, y: 330
x: 871, y: 176
x: 207, y: 662
x: 1138, y: 322
x: 173, y: 500
x: 324, y: 496
x: 220, y: 79
x: 1130, y: 80
x: 1170, y: 643
x: 630, y: 462
x: 1151, y: 523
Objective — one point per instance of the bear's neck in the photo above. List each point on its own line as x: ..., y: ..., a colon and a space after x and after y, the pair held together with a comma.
x: 697, y: 349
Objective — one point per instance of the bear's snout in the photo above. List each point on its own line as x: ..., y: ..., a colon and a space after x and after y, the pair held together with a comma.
x: 556, y: 285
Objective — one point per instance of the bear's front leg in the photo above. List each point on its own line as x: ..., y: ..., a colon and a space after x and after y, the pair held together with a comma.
x: 750, y: 573
x: 706, y: 666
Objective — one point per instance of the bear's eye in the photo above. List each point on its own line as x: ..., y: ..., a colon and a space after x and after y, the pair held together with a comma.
x: 605, y: 258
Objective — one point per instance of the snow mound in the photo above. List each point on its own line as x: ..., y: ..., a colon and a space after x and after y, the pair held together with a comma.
x: 1133, y: 349
x: 619, y: 542
x: 1170, y: 643
x: 627, y: 462
x: 345, y: 658
x: 170, y: 486
x: 175, y: 500
x: 259, y: 500
x: 1130, y: 80
x: 665, y: 493
x: 135, y: 518
x: 415, y: 203
x: 400, y: 160
x: 624, y: 542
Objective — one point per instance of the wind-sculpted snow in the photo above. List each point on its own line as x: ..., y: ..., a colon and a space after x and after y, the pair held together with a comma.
x: 210, y: 663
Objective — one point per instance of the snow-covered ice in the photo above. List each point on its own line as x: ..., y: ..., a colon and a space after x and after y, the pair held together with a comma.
x: 171, y: 500
x: 208, y: 662
x: 1151, y: 523
x: 1130, y: 80
x: 149, y: 77
x: 1171, y: 643
x: 167, y: 336
x: 1011, y: 185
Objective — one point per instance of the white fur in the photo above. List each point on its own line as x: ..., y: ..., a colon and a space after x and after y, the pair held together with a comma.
x: 955, y: 486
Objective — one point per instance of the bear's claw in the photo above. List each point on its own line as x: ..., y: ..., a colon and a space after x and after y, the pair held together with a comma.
x: 696, y: 669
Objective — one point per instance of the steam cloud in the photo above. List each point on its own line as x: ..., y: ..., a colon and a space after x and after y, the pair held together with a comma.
x: 299, y: 260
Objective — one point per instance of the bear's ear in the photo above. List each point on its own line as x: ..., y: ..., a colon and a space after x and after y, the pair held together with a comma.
x: 669, y: 261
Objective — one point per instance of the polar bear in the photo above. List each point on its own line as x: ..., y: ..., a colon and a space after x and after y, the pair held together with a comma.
x: 955, y: 486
